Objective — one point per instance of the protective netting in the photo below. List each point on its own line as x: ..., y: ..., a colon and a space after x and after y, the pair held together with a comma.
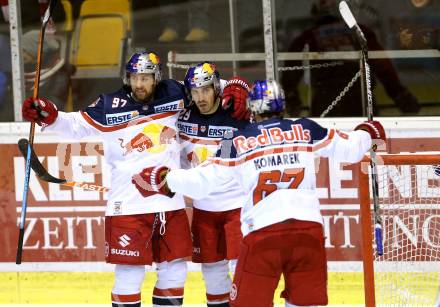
x: 408, y: 273
x: 332, y: 104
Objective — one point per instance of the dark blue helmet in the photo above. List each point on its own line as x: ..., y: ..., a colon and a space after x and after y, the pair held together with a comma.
x: 266, y: 97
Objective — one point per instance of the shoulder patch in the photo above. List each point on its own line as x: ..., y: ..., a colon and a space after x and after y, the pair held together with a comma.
x: 119, y: 118
x: 170, y: 106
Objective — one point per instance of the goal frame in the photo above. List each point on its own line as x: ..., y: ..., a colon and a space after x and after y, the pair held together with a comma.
x: 366, y: 212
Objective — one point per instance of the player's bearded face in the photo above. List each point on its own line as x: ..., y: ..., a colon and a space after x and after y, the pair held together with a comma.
x: 204, y: 98
x: 142, y: 86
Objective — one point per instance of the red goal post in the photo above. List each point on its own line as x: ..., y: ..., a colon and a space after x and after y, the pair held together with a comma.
x: 408, y: 273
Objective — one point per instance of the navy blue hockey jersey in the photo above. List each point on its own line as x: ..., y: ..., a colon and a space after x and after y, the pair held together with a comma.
x: 200, y: 137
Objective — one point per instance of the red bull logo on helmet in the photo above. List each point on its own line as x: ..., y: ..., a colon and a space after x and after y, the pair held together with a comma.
x: 209, y: 68
x: 272, y: 136
x: 153, y: 58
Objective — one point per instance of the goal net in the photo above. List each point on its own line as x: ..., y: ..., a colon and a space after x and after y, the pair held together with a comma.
x: 408, y: 272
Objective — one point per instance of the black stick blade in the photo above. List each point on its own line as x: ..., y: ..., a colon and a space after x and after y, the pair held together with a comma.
x: 49, y: 11
x: 20, y: 246
x: 23, y: 145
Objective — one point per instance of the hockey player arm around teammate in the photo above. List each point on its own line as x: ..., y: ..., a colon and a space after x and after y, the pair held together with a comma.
x: 273, y: 161
x: 235, y: 94
x: 196, y: 182
x: 204, y: 87
x: 235, y: 90
x: 71, y: 125
x: 343, y: 147
x: 137, y: 124
x: 351, y: 146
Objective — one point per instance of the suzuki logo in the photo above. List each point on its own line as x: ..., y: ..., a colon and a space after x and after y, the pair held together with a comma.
x: 124, y: 240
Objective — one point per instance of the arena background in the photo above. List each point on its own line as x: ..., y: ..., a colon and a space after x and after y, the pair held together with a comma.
x: 63, y: 260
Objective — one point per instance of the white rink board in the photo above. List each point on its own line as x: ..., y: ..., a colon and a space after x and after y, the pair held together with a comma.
x: 395, y: 127
x: 333, y: 266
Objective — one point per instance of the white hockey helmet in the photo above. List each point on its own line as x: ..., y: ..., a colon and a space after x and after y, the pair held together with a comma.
x: 201, y: 75
x: 143, y: 63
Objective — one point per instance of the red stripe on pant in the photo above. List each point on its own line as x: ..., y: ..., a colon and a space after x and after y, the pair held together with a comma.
x: 168, y: 292
x: 217, y: 298
x: 126, y: 298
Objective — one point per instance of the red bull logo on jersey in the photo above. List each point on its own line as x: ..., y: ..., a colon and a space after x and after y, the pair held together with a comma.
x: 272, y: 136
x: 119, y: 118
x: 199, y: 155
x: 154, y: 138
x: 139, y: 143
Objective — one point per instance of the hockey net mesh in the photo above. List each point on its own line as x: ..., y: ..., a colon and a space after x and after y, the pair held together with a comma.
x: 408, y: 273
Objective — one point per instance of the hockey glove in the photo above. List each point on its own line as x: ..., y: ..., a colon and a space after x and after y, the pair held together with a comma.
x: 152, y: 180
x: 375, y: 129
x: 235, y: 95
x: 5, y: 9
x: 41, y: 111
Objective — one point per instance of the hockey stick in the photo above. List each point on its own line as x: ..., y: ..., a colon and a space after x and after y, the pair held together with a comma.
x: 43, y: 174
x: 45, y: 20
x: 368, y: 97
x: 437, y: 302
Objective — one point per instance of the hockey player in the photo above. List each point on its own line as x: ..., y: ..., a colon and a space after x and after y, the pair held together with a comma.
x: 138, y: 127
x: 273, y: 162
x: 216, y: 218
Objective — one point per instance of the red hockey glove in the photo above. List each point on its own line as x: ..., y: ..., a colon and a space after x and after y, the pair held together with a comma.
x: 41, y: 111
x: 235, y: 95
x: 152, y: 181
x: 5, y: 10
x: 375, y: 129
x: 43, y: 5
